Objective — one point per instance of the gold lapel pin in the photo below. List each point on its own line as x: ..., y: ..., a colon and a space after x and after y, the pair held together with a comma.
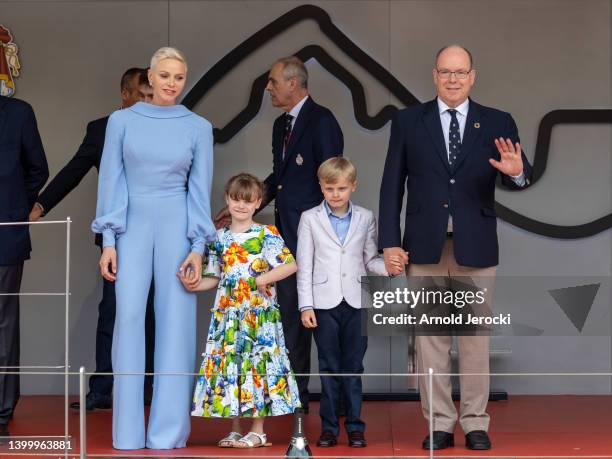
x: 477, y: 125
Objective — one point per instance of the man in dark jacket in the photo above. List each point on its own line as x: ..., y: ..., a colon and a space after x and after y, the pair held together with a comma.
x: 304, y: 136
x: 23, y: 172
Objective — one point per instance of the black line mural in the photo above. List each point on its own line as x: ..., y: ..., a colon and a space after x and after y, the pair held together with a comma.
x: 377, y: 121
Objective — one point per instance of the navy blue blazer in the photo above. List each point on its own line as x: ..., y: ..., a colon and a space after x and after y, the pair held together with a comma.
x: 417, y: 161
x: 87, y: 156
x: 293, y: 183
x: 23, y: 172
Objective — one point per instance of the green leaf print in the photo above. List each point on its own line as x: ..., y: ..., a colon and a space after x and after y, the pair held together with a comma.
x: 217, y: 405
x: 253, y: 245
x: 261, y: 368
x: 252, y: 283
x: 226, y: 411
x: 229, y: 335
x: 274, y: 315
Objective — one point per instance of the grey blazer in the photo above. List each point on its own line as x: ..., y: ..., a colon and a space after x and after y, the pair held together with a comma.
x: 328, y: 270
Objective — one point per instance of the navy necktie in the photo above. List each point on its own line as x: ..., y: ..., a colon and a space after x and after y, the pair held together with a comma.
x: 287, y: 134
x: 454, y: 138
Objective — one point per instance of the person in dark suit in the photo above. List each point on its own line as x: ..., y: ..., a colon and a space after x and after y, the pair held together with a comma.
x: 23, y: 172
x: 302, y: 138
x: 134, y: 87
x: 447, y: 154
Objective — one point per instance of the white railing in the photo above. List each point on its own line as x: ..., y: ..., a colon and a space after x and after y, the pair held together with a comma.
x: 66, y: 295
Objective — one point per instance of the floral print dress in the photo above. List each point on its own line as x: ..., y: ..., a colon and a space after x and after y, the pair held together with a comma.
x: 245, y: 370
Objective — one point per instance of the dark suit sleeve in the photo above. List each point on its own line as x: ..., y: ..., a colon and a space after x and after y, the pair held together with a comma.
x: 269, y: 190
x: 328, y: 140
x: 35, y: 169
x: 72, y: 173
x: 392, y: 188
x: 512, y: 133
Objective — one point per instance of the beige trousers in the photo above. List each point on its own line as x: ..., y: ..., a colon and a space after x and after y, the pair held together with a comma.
x: 435, y: 352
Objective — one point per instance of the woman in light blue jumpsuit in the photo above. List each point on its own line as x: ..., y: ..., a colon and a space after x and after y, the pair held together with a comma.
x: 154, y: 206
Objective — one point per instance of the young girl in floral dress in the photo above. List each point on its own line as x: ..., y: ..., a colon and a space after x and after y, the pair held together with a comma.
x: 245, y: 371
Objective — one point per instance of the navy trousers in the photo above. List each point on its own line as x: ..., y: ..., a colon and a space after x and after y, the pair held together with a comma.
x: 298, y: 338
x: 10, y: 282
x: 340, y: 348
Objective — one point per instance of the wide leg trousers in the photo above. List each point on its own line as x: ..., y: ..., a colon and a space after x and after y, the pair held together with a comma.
x: 153, y: 246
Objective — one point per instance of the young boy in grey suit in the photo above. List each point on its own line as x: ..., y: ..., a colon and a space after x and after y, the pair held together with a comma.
x: 336, y: 245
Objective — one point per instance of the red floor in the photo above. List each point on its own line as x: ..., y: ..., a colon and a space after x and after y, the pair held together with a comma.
x: 524, y: 426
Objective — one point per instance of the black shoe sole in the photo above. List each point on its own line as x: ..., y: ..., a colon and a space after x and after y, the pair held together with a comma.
x: 327, y: 445
x: 478, y: 447
x: 451, y: 444
x: 77, y: 406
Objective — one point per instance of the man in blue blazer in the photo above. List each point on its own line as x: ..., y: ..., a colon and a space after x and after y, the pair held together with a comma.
x: 302, y: 138
x: 134, y: 88
x: 447, y: 155
x: 23, y: 172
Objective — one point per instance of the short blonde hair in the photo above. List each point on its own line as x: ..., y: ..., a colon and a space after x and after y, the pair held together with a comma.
x: 167, y: 52
x: 331, y: 170
x: 244, y: 186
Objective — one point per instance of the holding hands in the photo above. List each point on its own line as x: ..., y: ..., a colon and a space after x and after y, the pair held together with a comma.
x: 190, y: 271
x: 396, y: 260
x: 511, y: 160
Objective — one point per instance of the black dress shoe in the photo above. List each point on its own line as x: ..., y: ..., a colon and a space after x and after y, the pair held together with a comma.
x: 477, y: 439
x: 5, y: 435
x: 327, y: 439
x: 441, y: 440
x: 357, y: 440
x: 95, y: 401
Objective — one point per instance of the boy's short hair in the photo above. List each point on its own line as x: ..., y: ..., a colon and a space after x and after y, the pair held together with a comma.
x: 331, y: 170
x: 244, y: 186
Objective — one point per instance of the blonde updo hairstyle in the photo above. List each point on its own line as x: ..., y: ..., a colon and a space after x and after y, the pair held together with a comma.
x: 167, y: 52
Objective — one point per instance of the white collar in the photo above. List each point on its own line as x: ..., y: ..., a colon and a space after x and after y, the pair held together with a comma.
x: 295, y: 111
x: 461, y: 108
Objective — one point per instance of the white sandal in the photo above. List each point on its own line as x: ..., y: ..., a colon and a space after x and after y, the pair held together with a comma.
x: 249, y: 442
x: 230, y: 440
